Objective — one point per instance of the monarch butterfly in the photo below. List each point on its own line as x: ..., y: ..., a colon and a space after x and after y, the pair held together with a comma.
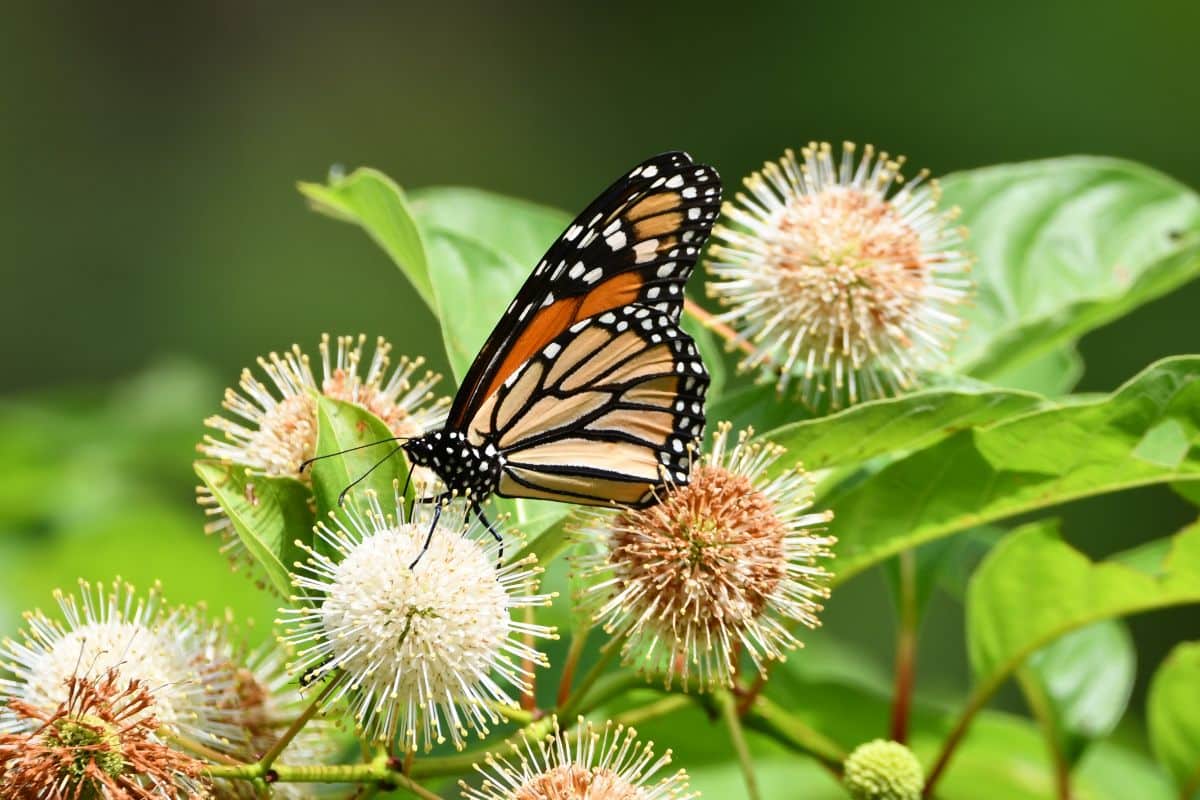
x: 587, y: 391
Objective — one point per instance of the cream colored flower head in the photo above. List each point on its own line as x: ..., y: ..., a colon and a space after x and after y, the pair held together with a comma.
x: 721, y: 566
x: 271, y: 428
x: 839, y: 274
x: 422, y: 653
x: 586, y: 763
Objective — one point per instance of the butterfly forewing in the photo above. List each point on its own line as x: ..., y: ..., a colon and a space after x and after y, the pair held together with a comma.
x: 603, y: 413
x: 635, y: 245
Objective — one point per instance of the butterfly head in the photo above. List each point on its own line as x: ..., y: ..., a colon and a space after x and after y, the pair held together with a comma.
x: 464, y: 467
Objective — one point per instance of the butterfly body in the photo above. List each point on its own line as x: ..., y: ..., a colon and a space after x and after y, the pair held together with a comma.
x: 588, y: 391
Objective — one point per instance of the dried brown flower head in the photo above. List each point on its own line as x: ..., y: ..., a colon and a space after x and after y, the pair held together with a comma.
x: 99, y: 742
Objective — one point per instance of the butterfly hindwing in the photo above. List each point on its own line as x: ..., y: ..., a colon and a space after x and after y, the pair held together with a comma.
x: 605, y: 412
x: 636, y: 244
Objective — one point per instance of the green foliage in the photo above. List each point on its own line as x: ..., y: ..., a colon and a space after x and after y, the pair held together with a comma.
x: 1173, y: 711
x: 1032, y: 461
x: 373, y: 201
x: 1083, y: 681
x: 343, y: 427
x: 1034, y: 588
x: 268, y: 514
x: 1063, y: 247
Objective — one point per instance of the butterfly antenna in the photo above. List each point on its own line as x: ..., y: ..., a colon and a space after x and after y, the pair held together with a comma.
x: 361, y: 478
x: 308, y: 461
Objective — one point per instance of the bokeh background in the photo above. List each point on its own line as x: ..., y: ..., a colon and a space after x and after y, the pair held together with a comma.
x: 153, y: 241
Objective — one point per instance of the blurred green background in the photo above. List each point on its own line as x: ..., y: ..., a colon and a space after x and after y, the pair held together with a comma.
x: 154, y: 242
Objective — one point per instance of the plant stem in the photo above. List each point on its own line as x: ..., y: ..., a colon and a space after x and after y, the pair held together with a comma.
x: 729, y: 712
x: 1039, y: 704
x: 788, y: 729
x: 659, y: 708
x: 298, y: 724
x: 975, y: 703
x: 720, y: 328
x: 575, y: 701
x: 529, y: 699
x: 574, y: 652
x: 906, y: 647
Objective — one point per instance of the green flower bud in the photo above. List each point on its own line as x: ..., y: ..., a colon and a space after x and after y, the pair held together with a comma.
x: 882, y: 770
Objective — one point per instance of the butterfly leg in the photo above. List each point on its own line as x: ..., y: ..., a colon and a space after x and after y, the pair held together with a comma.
x: 437, y: 514
x: 478, y: 509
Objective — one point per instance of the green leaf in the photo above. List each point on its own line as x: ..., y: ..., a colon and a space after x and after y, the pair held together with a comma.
x: 911, y: 422
x: 1173, y: 715
x: 473, y: 284
x: 1052, y: 374
x: 1031, y: 461
x: 373, y: 201
x: 342, y: 426
x: 1033, y: 588
x: 268, y: 514
x: 1002, y: 757
x: 1064, y: 246
x: 482, y: 247
x: 1084, y: 680
x: 520, y: 230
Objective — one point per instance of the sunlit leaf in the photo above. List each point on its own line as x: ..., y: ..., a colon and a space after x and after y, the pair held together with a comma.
x: 1034, y: 588
x: 1085, y: 679
x: 374, y: 202
x: 1052, y: 374
x: 268, y: 514
x: 1031, y: 461
x: 897, y: 424
x: 341, y: 427
x: 1173, y: 714
x: 1064, y: 246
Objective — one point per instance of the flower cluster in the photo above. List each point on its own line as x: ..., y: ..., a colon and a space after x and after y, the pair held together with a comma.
x: 583, y: 764
x: 100, y: 740
x: 720, y: 565
x: 415, y: 648
x: 834, y: 275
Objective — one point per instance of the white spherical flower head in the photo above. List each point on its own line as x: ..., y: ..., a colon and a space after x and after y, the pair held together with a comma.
x: 169, y: 652
x: 584, y: 764
x: 835, y: 275
x: 421, y: 650
x: 726, y: 562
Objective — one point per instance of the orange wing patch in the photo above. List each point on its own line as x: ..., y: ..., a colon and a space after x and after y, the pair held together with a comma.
x: 550, y: 322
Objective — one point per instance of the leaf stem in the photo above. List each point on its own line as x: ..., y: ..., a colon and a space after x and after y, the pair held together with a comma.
x: 574, y: 652
x: 575, y: 700
x: 729, y: 712
x: 906, y: 647
x: 978, y: 699
x: 788, y: 729
x: 1039, y: 704
x: 268, y: 758
x: 731, y: 337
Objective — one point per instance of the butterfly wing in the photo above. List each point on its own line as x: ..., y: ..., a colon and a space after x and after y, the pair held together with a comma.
x: 636, y: 243
x: 605, y: 412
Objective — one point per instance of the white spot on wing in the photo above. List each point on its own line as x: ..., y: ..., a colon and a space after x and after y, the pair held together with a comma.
x: 593, y: 275
x: 617, y: 240
x: 577, y: 270
x: 650, y: 171
x: 645, y: 250
x: 675, y: 182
